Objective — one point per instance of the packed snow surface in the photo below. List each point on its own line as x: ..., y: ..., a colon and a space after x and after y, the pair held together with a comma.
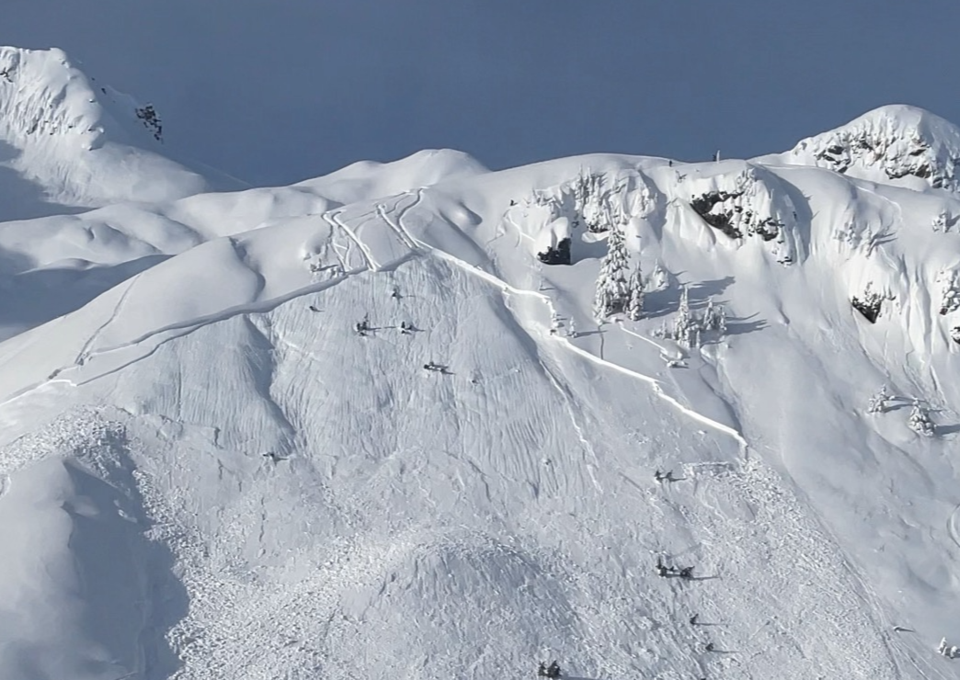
x: 358, y: 427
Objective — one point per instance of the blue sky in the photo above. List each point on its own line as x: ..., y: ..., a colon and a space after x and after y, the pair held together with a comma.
x: 280, y: 90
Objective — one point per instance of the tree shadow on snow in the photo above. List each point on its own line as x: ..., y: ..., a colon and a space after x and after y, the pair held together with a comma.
x: 941, y: 430
x: 897, y: 403
x: 723, y: 651
x: 586, y: 250
x: 659, y: 303
x: 741, y: 326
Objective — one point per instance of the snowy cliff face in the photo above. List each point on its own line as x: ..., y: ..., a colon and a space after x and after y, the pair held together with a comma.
x: 889, y: 143
x: 73, y: 142
x: 372, y: 419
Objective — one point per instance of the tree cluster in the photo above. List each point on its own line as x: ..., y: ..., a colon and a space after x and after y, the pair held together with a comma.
x: 949, y: 291
x: 616, y: 290
x: 689, y: 327
x: 919, y: 419
x: 596, y: 203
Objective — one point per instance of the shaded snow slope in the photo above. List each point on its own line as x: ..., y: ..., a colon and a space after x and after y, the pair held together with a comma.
x: 206, y: 472
x: 67, y: 141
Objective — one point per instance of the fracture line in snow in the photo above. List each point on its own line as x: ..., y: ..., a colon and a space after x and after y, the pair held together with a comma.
x: 653, y: 382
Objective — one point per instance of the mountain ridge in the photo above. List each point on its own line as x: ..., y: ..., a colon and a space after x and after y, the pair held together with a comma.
x: 399, y: 420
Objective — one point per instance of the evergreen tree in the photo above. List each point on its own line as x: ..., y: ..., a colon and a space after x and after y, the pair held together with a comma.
x: 715, y: 318
x: 613, y: 292
x: 941, y: 221
x: 878, y: 402
x: 555, y: 323
x: 686, y: 329
x: 659, y: 279
x: 919, y: 421
x: 635, y: 304
x: 950, y: 290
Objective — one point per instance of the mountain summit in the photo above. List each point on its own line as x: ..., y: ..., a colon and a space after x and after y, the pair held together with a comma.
x: 67, y: 140
x: 888, y: 144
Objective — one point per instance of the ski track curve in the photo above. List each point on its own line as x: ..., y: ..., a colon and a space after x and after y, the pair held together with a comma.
x: 364, y: 250
x: 402, y: 234
x: 653, y: 382
x: 187, y: 326
x: 952, y: 526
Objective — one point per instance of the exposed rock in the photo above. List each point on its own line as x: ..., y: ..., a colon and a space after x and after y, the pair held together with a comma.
x: 894, y: 142
x: 745, y: 210
x: 558, y: 255
x: 868, y: 304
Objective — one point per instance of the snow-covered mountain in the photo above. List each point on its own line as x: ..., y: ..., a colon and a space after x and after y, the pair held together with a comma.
x: 68, y: 141
x: 370, y: 425
x: 903, y: 145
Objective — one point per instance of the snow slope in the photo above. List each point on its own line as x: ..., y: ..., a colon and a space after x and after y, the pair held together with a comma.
x: 66, y: 141
x: 206, y: 473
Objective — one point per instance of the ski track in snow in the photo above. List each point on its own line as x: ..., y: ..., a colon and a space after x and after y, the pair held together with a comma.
x: 364, y: 250
x: 507, y: 518
x: 952, y: 527
x: 653, y: 382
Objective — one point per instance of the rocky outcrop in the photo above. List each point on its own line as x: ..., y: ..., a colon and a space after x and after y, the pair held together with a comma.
x: 559, y: 254
x: 889, y: 143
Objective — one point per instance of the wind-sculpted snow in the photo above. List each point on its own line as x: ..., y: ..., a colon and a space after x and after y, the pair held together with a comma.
x: 360, y: 427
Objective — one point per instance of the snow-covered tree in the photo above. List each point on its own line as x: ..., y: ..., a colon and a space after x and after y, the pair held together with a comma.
x: 919, y: 421
x: 555, y: 323
x: 686, y: 328
x: 715, y: 318
x: 659, y: 279
x: 613, y: 291
x: 571, y: 329
x: 588, y: 201
x: 635, y: 303
x: 878, y: 402
x: 949, y: 291
x: 942, y: 221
